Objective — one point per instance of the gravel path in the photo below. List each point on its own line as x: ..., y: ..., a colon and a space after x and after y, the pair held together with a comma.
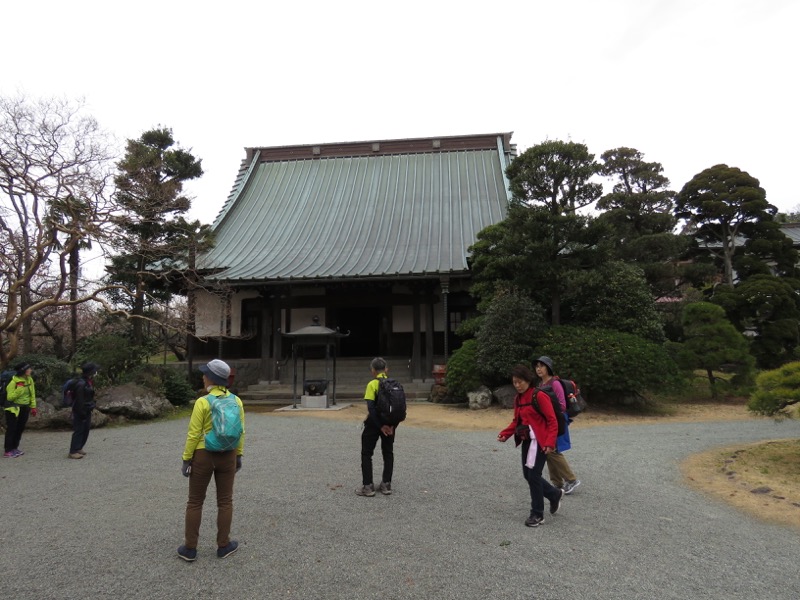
x: 107, y: 526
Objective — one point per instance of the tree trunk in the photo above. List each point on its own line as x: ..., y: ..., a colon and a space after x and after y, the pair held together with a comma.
x: 74, y: 266
x: 555, y: 309
x: 27, y: 324
x: 138, y: 306
x: 713, y: 382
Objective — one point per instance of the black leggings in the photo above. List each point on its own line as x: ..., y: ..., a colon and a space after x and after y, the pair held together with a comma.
x: 15, y: 425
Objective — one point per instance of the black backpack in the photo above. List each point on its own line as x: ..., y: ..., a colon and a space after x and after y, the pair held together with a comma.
x: 572, y: 393
x: 68, y: 393
x: 390, y: 401
x: 562, y: 422
x: 5, y: 379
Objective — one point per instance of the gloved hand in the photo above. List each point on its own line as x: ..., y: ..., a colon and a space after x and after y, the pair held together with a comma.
x: 238, y: 463
x: 34, y: 412
x: 186, y: 468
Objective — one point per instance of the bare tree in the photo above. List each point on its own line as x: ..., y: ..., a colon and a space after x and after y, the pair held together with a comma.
x: 54, y: 172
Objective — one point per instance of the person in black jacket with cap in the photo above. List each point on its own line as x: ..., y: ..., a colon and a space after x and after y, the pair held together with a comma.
x: 82, y: 407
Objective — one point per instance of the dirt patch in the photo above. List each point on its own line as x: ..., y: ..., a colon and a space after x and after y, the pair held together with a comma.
x: 762, y: 478
x: 461, y: 418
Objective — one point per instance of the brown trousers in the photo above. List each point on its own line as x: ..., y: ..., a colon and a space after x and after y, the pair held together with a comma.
x: 222, y: 465
x: 559, y: 469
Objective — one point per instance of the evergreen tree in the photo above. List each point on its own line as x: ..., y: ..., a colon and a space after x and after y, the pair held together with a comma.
x: 726, y: 208
x: 156, y: 238
x: 769, y: 308
x: 543, y: 234
x: 507, y: 336
x: 614, y: 296
x: 711, y: 342
x: 639, y: 213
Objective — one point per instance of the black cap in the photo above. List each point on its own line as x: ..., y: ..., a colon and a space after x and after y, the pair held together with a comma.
x: 89, y: 368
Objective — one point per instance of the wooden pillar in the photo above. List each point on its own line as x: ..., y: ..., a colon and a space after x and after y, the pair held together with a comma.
x: 429, y: 333
x: 277, y: 348
x: 416, y: 345
x: 445, y: 283
x: 266, y: 367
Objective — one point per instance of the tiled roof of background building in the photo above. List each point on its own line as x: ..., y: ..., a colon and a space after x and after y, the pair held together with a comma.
x: 364, y: 209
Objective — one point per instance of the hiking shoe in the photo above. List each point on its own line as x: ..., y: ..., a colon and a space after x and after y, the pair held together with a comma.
x: 367, y: 490
x: 18, y: 452
x: 10, y: 454
x: 534, y: 521
x: 556, y: 504
x: 187, y: 554
x: 227, y: 550
x: 385, y: 488
x: 570, y: 486
x: 75, y: 455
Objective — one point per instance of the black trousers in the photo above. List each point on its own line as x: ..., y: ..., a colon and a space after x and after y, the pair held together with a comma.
x: 80, y: 431
x: 539, y: 487
x: 369, y: 439
x: 15, y: 425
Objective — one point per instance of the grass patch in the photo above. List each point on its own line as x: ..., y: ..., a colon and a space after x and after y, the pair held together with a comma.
x: 762, y: 479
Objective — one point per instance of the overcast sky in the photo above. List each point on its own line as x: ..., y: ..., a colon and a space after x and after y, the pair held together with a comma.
x: 690, y: 83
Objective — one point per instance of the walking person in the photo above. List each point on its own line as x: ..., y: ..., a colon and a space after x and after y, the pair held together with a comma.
x: 82, y: 406
x: 200, y: 463
x: 376, y: 429
x: 561, y: 474
x: 537, y: 434
x: 21, y: 403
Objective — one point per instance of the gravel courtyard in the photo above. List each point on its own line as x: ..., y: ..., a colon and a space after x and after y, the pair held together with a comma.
x: 107, y: 526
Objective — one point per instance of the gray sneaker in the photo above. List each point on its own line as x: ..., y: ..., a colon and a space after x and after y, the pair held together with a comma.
x: 367, y: 490
x: 534, y: 521
x: 385, y: 488
x: 570, y: 486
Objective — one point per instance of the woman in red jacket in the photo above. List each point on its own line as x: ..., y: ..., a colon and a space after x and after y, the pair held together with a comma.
x: 537, y: 432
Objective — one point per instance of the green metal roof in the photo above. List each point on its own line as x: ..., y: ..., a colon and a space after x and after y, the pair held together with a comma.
x: 387, y: 213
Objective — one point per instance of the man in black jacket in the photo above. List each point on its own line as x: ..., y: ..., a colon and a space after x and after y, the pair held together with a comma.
x: 82, y: 406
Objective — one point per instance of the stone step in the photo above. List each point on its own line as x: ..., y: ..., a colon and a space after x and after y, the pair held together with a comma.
x: 282, y: 393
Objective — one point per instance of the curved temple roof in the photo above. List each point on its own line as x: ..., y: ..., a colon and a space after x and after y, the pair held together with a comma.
x: 396, y: 208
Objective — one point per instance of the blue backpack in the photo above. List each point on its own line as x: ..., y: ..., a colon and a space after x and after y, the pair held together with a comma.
x: 226, y: 423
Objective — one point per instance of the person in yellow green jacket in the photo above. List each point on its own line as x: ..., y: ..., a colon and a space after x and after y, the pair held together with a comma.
x: 201, y: 463
x: 20, y: 405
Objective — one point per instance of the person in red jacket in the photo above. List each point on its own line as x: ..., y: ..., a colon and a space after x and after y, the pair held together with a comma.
x: 537, y: 433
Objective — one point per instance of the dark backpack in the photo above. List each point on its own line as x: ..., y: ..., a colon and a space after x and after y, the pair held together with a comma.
x: 390, y: 401
x: 562, y: 422
x: 572, y: 393
x: 5, y: 379
x: 68, y: 393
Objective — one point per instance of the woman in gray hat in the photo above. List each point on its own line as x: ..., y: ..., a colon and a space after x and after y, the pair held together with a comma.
x: 205, y: 457
x: 561, y: 474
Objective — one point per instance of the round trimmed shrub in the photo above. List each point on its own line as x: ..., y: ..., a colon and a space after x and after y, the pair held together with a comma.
x: 612, y: 367
x: 776, y: 390
x: 462, y: 370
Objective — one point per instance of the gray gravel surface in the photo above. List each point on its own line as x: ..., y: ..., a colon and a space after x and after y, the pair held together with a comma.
x: 108, y: 526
